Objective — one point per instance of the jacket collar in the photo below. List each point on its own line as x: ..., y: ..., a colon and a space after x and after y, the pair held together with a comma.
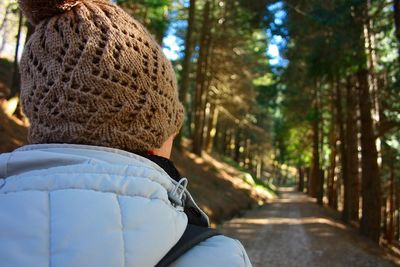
x: 14, y: 163
x: 192, y: 211
x: 166, y: 164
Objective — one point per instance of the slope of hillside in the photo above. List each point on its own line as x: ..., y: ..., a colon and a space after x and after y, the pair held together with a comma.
x: 218, y: 188
x: 13, y: 131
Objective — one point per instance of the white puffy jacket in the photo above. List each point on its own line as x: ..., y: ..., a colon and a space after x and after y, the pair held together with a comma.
x: 75, y: 205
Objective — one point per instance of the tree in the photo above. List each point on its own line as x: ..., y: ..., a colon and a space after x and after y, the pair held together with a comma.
x: 153, y: 14
x: 337, y: 44
x: 186, y: 64
x: 16, y: 77
x: 201, y: 81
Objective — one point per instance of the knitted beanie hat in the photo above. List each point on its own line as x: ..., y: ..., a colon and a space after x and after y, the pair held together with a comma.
x: 90, y: 74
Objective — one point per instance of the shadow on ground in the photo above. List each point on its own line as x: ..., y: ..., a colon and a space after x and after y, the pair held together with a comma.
x: 294, y: 231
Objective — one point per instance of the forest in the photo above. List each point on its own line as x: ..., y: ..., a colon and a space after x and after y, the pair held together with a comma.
x: 303, y: 93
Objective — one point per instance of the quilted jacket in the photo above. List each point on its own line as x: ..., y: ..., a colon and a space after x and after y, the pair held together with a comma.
x: 75, y: 205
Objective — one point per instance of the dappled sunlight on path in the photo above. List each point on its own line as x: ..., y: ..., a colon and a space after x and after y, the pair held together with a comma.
x: 294, y: 231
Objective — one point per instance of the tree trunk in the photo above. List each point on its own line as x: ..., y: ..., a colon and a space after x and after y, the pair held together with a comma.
x: 343, y: 154
x: 3, y: 25
x: 372, y: 59
x: 397, y: 213
x: 308, y: 179
x: 321, y: 177
x: 200, y: 83
x: 212, y: 128
x: 5, y: 19
x: 186, y: 64
x: 30, y: 30
x: 229, y: 143
x: 320, y: 195
x: 396, y: 9
x: 237, y: 145
x: 224, y: 144
x: 216, y: 141
x: 15, y: 81
x: 260, y: 166
x: 391, y: 227
x: 314, y: 177
x: 248, y: 156
x: 207, y: 82
x: 300, y: 171
x: 370, y: 179
x: 332, y: 196
x: 384, y: 215
x: 353, y: 183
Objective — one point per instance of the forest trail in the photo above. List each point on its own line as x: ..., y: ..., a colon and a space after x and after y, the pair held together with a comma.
x: 294, y: 231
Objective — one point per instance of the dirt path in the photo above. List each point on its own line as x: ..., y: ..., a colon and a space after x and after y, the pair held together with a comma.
x: 294, y: 231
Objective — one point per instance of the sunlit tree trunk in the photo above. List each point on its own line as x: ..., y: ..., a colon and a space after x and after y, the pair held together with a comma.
x: 212, y: 128
x: 372, y: 59
x: 5, y: 18
x: 343, y: 154
x: 206, y: 105
x: 308, y: 179
x: 229, y: 142
x: 3, y: 25
x: 321, y: 180
x: 370, y: 179
x: 200, y: 93
x: 247, y: 160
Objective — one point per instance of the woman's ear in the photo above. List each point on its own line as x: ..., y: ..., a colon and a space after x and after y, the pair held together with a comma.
x: 166, y: 148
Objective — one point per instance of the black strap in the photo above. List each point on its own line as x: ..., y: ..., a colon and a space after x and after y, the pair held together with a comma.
x: 192, y: 236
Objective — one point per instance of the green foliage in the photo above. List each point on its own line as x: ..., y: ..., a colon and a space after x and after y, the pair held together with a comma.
x: 261, y: 185
x: 322, y: 46
x: 152, y: 13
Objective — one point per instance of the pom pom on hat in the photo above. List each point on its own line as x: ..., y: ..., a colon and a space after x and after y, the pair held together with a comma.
x: 38, y: 10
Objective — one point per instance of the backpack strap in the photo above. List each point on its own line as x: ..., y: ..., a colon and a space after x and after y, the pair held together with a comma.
x: 192, y: 236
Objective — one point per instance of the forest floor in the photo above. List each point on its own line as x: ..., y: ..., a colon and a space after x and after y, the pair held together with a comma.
x: 294, y: 231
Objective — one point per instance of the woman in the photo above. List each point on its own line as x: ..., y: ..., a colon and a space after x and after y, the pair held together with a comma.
x: 95, y: 187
